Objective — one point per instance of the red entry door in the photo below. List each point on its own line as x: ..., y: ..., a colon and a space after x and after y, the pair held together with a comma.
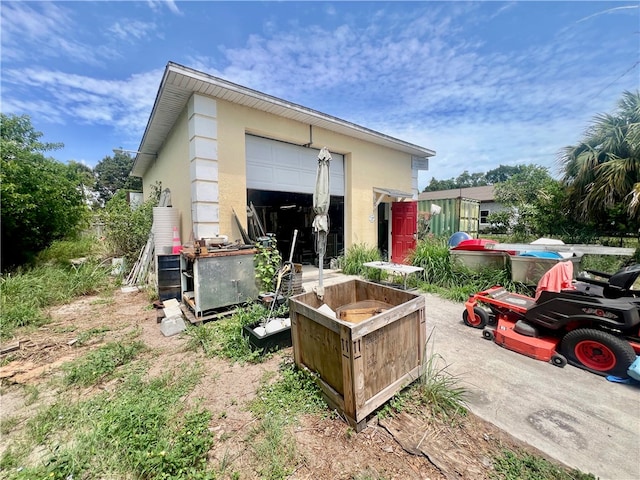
x: 404, y: 227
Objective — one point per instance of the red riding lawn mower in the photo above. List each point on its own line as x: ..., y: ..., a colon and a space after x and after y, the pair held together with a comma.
x: 592, y: 324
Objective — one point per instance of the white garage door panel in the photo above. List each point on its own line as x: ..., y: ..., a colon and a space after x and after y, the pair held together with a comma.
x: 273, y: 165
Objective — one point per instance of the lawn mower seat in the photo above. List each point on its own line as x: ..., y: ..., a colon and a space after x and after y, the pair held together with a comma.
x: 556, y: 279
x: 617, y: 285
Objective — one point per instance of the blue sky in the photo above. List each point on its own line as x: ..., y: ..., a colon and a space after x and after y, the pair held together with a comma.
x: 481, y: 83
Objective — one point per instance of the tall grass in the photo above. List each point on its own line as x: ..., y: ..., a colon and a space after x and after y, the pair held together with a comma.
x: 355, y: 256
x: 25, y: 294
x: 62, y: 251
x: 456, y: 282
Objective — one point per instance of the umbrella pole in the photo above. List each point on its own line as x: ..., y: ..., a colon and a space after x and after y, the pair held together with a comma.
x: 322, y: 242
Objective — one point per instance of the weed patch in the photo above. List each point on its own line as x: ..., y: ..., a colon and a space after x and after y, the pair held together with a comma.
x: 140, y: 430
x: 224, y: 338
x: 293, y: 394
x: 25, y: 294
x: 521, y: 465
x: 277, y: 405
x: 100, y: 363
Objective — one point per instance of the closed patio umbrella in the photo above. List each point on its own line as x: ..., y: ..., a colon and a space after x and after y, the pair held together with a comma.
x: 321, y: 201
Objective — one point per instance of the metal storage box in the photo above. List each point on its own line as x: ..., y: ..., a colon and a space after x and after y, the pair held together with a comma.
x: 360, y: 365
x: 529, y: 270
x: 478, y: 259
x: 218, y: 279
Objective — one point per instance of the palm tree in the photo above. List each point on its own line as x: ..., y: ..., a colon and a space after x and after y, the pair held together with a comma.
x: 603, y: 170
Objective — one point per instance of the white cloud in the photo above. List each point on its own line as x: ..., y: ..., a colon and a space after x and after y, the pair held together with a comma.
x: 123, y: 104
x: 130, y: 30
x: 170, y: 4
x: 29, y: 33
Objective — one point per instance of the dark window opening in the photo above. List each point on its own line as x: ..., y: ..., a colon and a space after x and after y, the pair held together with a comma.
x: 483, y: 216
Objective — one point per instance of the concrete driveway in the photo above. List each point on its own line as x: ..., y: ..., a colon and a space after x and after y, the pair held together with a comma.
x: 576, y: 417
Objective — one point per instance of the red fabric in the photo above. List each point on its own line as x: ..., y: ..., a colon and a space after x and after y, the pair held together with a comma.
x: 558, y: 278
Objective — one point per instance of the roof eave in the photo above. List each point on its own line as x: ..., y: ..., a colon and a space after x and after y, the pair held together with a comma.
x: 184, y: 82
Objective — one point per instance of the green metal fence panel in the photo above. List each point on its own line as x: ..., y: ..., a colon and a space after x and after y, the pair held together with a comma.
x: 456, y: 215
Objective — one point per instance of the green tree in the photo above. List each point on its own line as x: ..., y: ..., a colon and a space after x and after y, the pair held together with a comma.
x: 41, y: 198
x: 466, y: 179
x: 112, y: 174
x: 602, y: 172
x: 532, y: 197
x: 87, y: 182
x: 437, y: 185
x: 502, y: 173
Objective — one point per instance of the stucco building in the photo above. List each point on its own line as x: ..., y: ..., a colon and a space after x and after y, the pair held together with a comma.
x: 219, y: 146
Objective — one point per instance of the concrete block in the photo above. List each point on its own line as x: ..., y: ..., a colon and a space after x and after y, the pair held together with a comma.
x: 172, y: 325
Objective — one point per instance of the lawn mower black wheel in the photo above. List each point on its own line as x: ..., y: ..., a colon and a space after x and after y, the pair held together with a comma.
x: 558, y: 360
x: 479, y: 320
x: 488, y: 334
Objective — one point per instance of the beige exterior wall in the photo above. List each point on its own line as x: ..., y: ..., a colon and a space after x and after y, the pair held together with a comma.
x: 171, y: 168
x: 366, y: 166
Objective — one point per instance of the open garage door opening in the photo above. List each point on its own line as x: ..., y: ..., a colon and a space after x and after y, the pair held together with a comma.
x: 283, y: 212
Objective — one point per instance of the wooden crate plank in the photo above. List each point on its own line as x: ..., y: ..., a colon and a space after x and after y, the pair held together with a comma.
x: 295, y: 338
x: 389, y: 353
x: 379, y: 399
x: 389, y: 316
x: 347, y: 372
x: 320, y: 350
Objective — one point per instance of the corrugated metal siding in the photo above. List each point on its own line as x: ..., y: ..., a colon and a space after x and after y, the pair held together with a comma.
x: 457, y: 215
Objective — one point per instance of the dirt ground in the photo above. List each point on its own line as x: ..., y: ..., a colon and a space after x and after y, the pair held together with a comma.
x: 406, y: 447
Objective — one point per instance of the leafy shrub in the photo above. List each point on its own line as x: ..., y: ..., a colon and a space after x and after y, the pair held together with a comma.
x: 267, y: 263
x: 127, y: 229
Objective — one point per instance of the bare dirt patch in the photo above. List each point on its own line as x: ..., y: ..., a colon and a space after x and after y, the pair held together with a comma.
x: 407, y: 447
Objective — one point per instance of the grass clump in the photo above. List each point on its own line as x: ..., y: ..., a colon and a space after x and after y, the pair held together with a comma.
x: 224, y: 338
x: 277, y: 406
x: 101, y: 363
x: 355, y: 256
x: 521, y: 465
x: 141, y: 430
x: 438, y: 389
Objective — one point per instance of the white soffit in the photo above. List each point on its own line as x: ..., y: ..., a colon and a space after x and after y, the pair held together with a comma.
x: 179, y: 83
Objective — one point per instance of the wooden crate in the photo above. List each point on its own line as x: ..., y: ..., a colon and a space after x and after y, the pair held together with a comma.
x: 360, y: 365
